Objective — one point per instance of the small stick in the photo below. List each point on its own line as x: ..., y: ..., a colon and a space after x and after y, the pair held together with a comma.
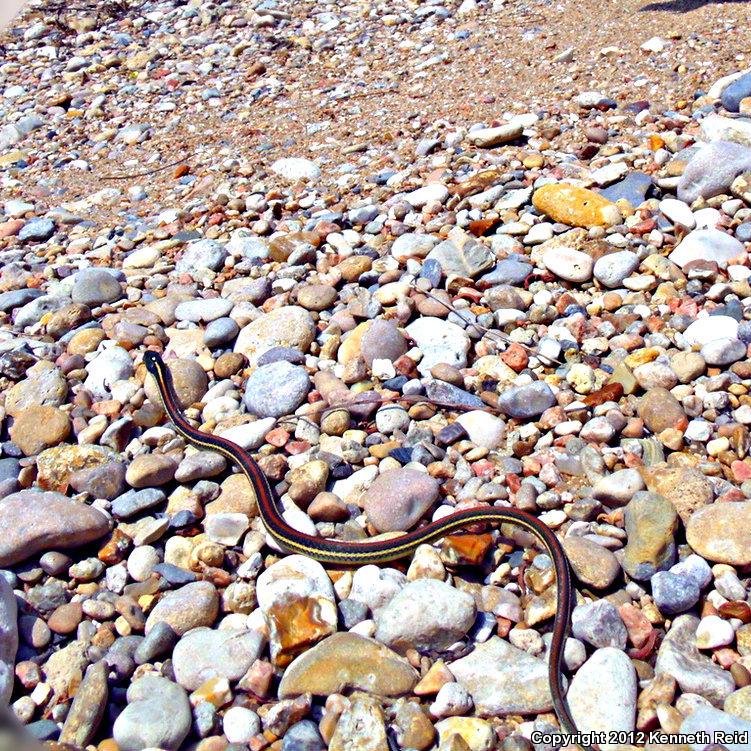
x: 147, y: 173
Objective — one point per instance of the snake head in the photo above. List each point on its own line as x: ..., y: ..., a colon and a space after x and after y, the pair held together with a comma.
x: 152, y: 361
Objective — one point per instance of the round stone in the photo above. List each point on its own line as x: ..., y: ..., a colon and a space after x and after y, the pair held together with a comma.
x: 94, y: 287
x: 398, y: 498
x: 38, y: 428
x: 189, y: 379
x: 276, y: 389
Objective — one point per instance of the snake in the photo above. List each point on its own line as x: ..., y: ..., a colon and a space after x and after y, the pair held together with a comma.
x: 338, y: 552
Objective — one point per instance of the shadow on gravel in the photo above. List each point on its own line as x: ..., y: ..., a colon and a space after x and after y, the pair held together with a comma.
x: 684, y: 6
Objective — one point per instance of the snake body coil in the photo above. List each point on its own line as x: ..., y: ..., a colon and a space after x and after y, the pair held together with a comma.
x: 381, y: 551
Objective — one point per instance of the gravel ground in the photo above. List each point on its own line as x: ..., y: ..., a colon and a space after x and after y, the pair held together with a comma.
x: 414, y: 258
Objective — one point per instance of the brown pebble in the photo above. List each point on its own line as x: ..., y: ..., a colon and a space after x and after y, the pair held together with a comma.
x: 228, y: 364
x: 448, y: 373
x: 327, y: 507
x: 741, y: 675
x: 65, y: 618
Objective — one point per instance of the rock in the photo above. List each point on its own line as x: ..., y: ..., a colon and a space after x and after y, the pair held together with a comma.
x: 503, y: 680
x: 205, y: 653
x: 685, y: 487
x: 89, y: 705
x: 488, y: 137
x: 65, y: 668
x: 651, y: 521
x: 316, y: 296
x: 426, y: 614
x: 469, y: 260
x: 382, y: 340
x: 618, y: 488
x: 35, y: 521
x: 159, y: 641
x: 727, y: 129
x: 602, y: 696
x: 633, y: 188
x: 297, y: 600
x: 8, y: 639
x: 44, y: 386
x: 134, y: 502
x: 475, y: 733
x: 713, y: 722
x: 188, y: 378
x: 398, y: 499
x: 721, y: 533
x: 593, y: 564
x: 240, y: 725
x: 412, y: 245
x: 148, y: 470
x: 695, y: 673
x: 710, y: 329
x: 674, y: 594
x: 95, y: 287
x: 712, y: 169
x: 483, y: 428
x: 440, y: 342
x: 157, y: 716
x: 38, y: 428
x: 738, y: 703
x: 361, y: 726
x: 191, y: 606
x: 276, y: 389
x: 707, y: 245
x: 220, y: 331
x: 526, y: 402
x: 660, y: 410
x: 289, y: 326
x: 432, y: 193
x: 599, y: 624
x: 37, y: 230
x: 344, y: 662
x: 56, y: 465
x: 613, y: 268
x: 303, y: 736
x: 723, y: 352
x: 108, y: 367
x: 296, y: 168
x: 678, y: 212
x: 688, y: 366
x: 577, y: 207
x: 569, y: 264
x: 200, y: 465
x: 201, y: 255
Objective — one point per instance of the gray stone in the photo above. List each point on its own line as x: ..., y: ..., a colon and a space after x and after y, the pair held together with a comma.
x: 707, y: 245
x: 611, y: 269
x: 205, y: 653
x: 398, y: 498
x: 711, y: 171
x: 33, y: 311
x: 447, y: 393
x: 503, y: 680
x: 599, y: 624
x: 220, y: 331
x: 382, y: 341
x: 8, y: 640
x: 711, y: 721
x: 276, y: 389
x: 201, y: 255
x: 674, y: 594
x: 157, y: 716
x: 735, y: 91
x: 197, y: 311
x: 110, y: 365
x: 507, y: 271
x: 426, y: 614
x: 158, y: 642
x: 411, y: 245
x: 633, y: 188
x: 525, y: 402
x: 18, y: 297
x: 37, y: 230
x: 723, y: 351
x: 695, y: 673
x: 135, y: 501
x: 440, y: 342
x: 470, y: 260
x: 200, y: 465
x: 94, y: 287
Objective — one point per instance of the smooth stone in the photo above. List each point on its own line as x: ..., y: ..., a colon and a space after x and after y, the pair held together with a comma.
x: 660, y: 410
x: 602, y: 695
x: 470, y: 260
x: 159, y: 641
x: 17, y: 298
x: 188, y: 378
x: 38, y: 428
x: 432, y: 193
x: 712, y: 721
x: 695, y: 673
x: 303, y: 736
x: 446, y: 393
x: 721, y: 533
x: 678, y: 212
x: 206, y: 653
x: 526, y: 402
x: 426, y: 614
x: 289, y: 326
x: 347, y: 661
x: 94, y: 287
x: 723, y: 352
x: 728, y: 129
x: 472, y: 733
x: 618, y: 488
x: 37, y: 230
x: 577, y: 207
x: 633, y: 188
x: 488, y: 137
x: 651, y: 521
x: 201, y: 255
x: 738, y: 703
x: 189, y: 607
x: 34, y: 521
x: 148, y: 470
x: 613, y: 268
x: 398, y: 499
x: 158, y: 715
x: 592, y: 564
x: 484, y: 429
x: 44, y: 386
x: 220, y: 331
x: 89, y: 705
x: 200, y: 465
x: 503, y: 680
x: 705, y: 330
x: 203, y: 310
x: 249, y: 435
x: 133, y: 502
x: 507, y: 271
x: 109, y: 366
x: 383, y: 341
x: 685, y: 487
x: 735, y: 91
x: 707, y: 245
x: 296, y: 168
x: 412, y: 245
x: 599, y: 624
x: 712, y: 170
x: 8, y: 639
x: 240, y: 725
x: 569, y: 264
x: 440, y: 342
x: 673, y: 594
x: 276, y: 389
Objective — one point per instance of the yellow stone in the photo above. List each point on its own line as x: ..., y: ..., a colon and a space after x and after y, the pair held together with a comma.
x: 434, y: 680
x: 642, y: 357
x: 85, y: 341
x: 12, y: 157
x: 475, y: 732
x: 216, y: 691
x: 577, y: 207
x: 351, y: 347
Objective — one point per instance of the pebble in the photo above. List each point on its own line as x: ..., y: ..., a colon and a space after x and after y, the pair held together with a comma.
x: 720, y: 533
x: 290, y: 326
x: 712, y: 169
x: 8, y: 639
x: 276, y: 389
x: 569, y: 264
x: 526, y: 402
x: 651, y: 521
x: 440, y: 342
x: 577, y: 207
x: 707, y: 245
x: 95, y: 287
x: 613, y: 268
x: 296, y: 168
x: 188, y: 607
x: 398, y: 499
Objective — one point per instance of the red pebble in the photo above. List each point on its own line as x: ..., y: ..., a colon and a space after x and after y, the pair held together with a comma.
x: 277, y: 437
x: 741, y: 471
x: 516, y: 357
